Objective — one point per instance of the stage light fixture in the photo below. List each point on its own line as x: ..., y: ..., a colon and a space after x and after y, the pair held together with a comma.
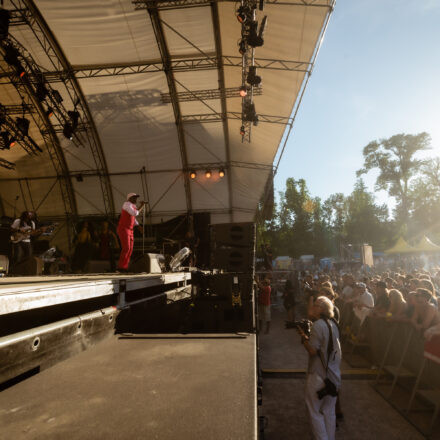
x: 193, y: 175
x: 41, y: 92
x: 56, y: 95
x: 253, y: 79
x: 242, y: 47
x: 11, y: 57
x: 243, y: 91
x: 255, y: 37
x: 242, y: 131
x: 49, y: 112
x: 5, y: 17
x: 208, y: 174
x: 241, y: 14
x: 68, y: 131
x: 8, y: 141
x: 221, y: 173
x: 249, y: 113
x: 23, y: 125
x: 74, y: 117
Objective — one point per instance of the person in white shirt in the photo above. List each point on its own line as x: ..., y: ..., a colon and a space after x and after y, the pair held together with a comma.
x: 348, y: 289
x: 363, y: 302
x: 21, y: 229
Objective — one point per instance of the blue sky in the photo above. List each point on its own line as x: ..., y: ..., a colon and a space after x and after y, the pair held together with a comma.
x: 377, y: 74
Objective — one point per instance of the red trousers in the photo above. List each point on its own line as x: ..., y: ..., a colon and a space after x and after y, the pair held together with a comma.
x: 126, y: 237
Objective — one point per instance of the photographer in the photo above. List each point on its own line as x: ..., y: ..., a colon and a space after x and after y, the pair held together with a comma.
x: 324, y: 375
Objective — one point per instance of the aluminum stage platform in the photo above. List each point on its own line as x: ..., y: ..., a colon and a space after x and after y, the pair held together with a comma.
x: 18, y: 294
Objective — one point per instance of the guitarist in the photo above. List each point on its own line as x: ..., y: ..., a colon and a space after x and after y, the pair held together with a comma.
x: 24, y: 225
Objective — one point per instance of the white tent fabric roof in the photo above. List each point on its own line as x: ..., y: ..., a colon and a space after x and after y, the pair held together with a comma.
x: 136, y: 130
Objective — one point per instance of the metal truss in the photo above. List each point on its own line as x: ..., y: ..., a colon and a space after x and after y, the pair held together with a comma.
x: 6, y: 164
x: 29, y: 101
x: 176, y: 65
x: 180, y: 4
x: 203, y: 95
x: 32, y: 17
x: 16, y: 109
x: 157, y: 24
x: 218, y: 117
x: 192, y: 167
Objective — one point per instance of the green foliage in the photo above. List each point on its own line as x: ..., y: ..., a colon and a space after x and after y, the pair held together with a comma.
x: 302, y: 224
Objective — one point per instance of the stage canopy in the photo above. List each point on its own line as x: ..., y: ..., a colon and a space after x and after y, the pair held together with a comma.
x: 153, y: 89
x: 426, y: 245
x: 401, y: 247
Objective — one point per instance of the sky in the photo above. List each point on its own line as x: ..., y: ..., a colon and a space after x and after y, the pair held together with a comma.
x: 377, y: 74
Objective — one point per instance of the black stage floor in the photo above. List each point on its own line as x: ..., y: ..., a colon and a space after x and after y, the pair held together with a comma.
x: 163, y: 387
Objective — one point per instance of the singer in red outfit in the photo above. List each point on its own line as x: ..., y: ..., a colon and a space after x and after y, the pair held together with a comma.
x: 127, y: 222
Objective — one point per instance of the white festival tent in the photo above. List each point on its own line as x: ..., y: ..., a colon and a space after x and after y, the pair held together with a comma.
x: 156, y: 88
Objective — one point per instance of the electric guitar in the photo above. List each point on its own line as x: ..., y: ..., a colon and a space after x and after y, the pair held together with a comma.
x: 19, y: 236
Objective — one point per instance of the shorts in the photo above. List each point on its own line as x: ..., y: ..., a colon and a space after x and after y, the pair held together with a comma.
x: 264, y: 313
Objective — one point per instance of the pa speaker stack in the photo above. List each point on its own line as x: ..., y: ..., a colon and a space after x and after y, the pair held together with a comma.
x: 233, y: 247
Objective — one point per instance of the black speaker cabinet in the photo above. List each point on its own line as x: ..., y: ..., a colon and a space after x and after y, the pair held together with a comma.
x: 222, y: 285
x: 233, y: 234
x: 233, y: 259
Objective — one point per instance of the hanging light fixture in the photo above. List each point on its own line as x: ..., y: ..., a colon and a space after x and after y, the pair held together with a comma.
x: 221, y: 173
x: 242, y: 130
x: 5, y: 17
x: 243, y: 91
x: 208, y: 174
x: 192, y: 175
x: 49, y: 111
x: 8, y: 141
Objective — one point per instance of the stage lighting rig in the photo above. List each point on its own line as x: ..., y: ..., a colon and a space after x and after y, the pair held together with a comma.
x: 221, y: 173
x: 57, y: 96
x: 11, y: 57
x: 41, y: 92
x: 68, y: 131
x: 8, y: 140
x: 255, y: 36
x: 208, y: 174
x: 74, y: 118
x: 243, y: 91
x: 249, y: 113
x: 23, y: 125
x: 192, y: 175
x: 253, y: 79
x: 49, y: 111
x: 5, y: 18
x: 242, y: 46
x: 6, y: 164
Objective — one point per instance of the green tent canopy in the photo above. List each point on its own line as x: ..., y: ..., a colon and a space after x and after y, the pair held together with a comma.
x: 426, y: 245
x: 401, y: 247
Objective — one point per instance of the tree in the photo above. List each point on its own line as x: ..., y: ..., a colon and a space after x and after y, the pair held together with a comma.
x: 365, y: 221
x: 395, y: 159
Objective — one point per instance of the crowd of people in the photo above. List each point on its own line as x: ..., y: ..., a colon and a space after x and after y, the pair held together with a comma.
x: 395, y: 295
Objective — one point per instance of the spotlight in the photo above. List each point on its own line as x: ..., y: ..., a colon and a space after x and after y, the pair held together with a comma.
x: 5, y: 17
x: 255, y: 37
x: 41, y: 92
x: 249, y: 113
x: 23, y: 125
x: 11, y: 57
x: 68, y: 131
x: 241, y: 14
x: 242, y: 47
x: 208, y: 174
x: 221, y: 173
x: 56, y: 95
x: 193, y: 175
x: 74, y: 117
x: 49, y: 112
x: 243, y: 91
x: 8, y: 141
x: 242, y: 131
x: 253, y: 79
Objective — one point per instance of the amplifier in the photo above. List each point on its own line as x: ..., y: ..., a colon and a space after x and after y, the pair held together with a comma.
x: 30, y: 266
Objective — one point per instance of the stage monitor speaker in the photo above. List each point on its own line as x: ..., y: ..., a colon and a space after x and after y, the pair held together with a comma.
x: 149, y: 263
x: 233, y: 234
x: 4, y: 264
x: 30, y: 266
x: 233, y: 259
x: 5, y: 240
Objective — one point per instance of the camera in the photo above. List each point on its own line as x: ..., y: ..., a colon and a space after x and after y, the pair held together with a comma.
x: 329, y: 389
x: 305, y: 325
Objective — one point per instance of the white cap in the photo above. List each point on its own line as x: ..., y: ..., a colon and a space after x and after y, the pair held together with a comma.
x: 130, y: 195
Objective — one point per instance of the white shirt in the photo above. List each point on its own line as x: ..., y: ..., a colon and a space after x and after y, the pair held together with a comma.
x: 24, y: 228
x: 365, y: 299
x: 132, y: 210
x: 347, y: 292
